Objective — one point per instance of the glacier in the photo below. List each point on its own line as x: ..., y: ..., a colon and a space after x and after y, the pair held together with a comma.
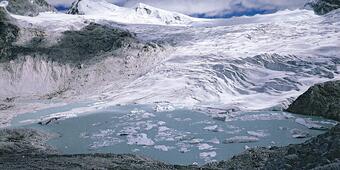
x: 252, y: 63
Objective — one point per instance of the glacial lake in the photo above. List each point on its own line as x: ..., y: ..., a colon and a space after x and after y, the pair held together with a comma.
x: 174, y: 136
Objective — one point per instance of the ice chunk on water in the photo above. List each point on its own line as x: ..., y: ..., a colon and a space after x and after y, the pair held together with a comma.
x: 205, y: 146
x: 163, y: 107
x: 161, y: 123
x: 214, y: 141
x: 103, y: 134
x: 246, y: 147
x: 262, y: 116
x: 163, y: 129
x: 128, y: 131
x: 149, y: 126
x: 140, y: 139
x: 207, y: 156
x: 309, y: 124
x: 105, y: 143
x: 241, y: 139
x: 297, y: 133
x: 184, y: 150
x: 259, y: 133
x: 182, y: 120
x: 196, y: 141
x: 163, y: 147
x: 213, y: 128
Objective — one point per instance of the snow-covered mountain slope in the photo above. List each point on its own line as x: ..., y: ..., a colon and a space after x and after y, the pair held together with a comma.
x: 251, y: 65
x: 140, y: 14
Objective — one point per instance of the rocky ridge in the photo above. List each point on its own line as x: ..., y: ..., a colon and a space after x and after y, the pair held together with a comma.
x: 319, y: 100
x: 29, y: 7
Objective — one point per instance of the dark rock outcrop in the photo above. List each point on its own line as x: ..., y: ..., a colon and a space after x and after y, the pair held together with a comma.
x: 319, y: 100
x: 28, y: 7
x: 24, y: 142
x: 9, y: 33
x: 73, y: 46
x: 322, y: 7
x: 74, y: 8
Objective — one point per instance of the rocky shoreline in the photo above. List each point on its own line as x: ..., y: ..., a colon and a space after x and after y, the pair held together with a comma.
x: 26, y: 149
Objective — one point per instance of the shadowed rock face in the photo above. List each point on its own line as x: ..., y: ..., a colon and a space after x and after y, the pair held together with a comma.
x: 28, y: 7
x: 8, y: 33
x: 319, y: 100
x: 74, y: 8
x: 24, y: 141
x: 73, y: 47
x: 322, y: 7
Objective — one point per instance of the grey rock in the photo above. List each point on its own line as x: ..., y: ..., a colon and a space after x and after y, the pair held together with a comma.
x: 74, y: 8
x: 76, y: 47
x: 322, y: 7
x: 9, y: 33
x: 319, y: 100
x: 29, y: 7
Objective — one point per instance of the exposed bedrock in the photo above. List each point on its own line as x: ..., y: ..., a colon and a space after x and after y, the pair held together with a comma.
x: 319, y: 100
x: 28, y: 7
x: 322, y: 7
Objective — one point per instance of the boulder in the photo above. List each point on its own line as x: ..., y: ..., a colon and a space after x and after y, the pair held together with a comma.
x: 319, y: 100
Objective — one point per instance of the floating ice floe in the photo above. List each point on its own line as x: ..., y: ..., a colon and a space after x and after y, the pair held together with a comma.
x: 262, y: 116
x: 207, y: 156
x: 149, y: 126
x: 196, y: 141
x: 135, y: 150
x: 105, y: 143
x: 204, y: 146
x: 259, y: 133
x: 103, y: 134
x: 182, y: 120
x: 163, y: 107
x: 213, y: 128
x: 137, y: 111
x: 246, y: 147
x: 283, y: 128
x: 84, y: 135
x: 128, y: 131
x: 297, y: 133
x: 184, y: 150
x: 139, y: 139
x: 163, y: 129
x: 139, y: 114
x: 161, y: 123
x: 309, y: 124
x: 214, y: 141
x: 163, y: 147
x: 241, y: 139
